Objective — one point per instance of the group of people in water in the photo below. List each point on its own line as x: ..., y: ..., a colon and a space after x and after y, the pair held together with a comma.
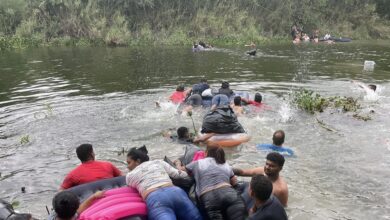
x: 200, y: 46
x: 300, y: 36
x: 217, y: 193
x: 201, y: 95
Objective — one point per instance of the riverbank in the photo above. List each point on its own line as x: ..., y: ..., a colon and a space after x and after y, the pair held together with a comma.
x: 10, y: 43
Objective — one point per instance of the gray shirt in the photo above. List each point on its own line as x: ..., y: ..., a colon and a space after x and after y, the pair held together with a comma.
x: 209, y: 175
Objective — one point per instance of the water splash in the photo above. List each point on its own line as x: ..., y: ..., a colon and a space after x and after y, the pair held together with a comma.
x: 371, y: 95
x: 285, y: 112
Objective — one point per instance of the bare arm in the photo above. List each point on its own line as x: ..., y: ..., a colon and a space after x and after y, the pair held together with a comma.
x: 172, y: 172
x: 188, y: 91
x: 248, y: 172
x: 88, y: 202
x: 283, y: 197
x: 233, y: 180
x: 281, y: 194
x: 203, y: 138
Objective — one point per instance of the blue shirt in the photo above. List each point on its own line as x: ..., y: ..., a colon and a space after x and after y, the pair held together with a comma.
x: 270, y: 147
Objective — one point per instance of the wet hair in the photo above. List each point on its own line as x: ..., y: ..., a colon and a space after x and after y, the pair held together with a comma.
x: 181, y: 132
x: 276, y: 158
x: 237, y: 100
x: 65, y: 204
x: 203, y: 80
x: 261, y: 187
x: 372, y: 86
x: 180, y: 88
x: 225, y: 85
x: 140, y: 153
x: 217, y: 153
x: 278, y: 137
x: 84, y: 152
x: 258, y: 97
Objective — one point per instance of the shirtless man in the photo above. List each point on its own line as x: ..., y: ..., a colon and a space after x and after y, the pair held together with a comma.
x: 273, y: 166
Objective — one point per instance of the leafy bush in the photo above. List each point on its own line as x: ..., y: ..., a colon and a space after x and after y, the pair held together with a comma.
x: 312, y: 102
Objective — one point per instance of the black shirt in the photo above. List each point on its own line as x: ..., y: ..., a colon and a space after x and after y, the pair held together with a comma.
x: 271, y: 210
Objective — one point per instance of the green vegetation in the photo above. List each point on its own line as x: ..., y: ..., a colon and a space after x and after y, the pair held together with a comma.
x: 31, y: 23
x: 313, y: 102
x: 15, y: 204
x: 310, y: 101
x: 44, y: 114
x: 25, y: 139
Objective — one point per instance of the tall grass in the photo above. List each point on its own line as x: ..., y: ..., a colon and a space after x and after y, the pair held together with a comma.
x: 124, y: 22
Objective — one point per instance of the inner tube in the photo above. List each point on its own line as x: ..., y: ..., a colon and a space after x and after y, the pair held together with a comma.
x: 116, y: 204
x: 115, y: 210
x: 341, y: 39
x: 251, y: 52
x: 337, y: 39
x: 228, y: 140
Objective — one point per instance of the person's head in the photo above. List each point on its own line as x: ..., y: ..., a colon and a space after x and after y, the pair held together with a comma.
x: 274, y: 164
x: 225, y: 85
x: 180, y: 88
x: 203, y: 80
x: 278, y: 138
x: 182, y: 133
x: 258, y: 97
x: 136, y: 156
x: 237, y: 100
x: 85, y: 152
x: 65, y: 204
x: 217, y: 153
x: 260, y: 187
x: 195, y: 100
x: 372, y: 86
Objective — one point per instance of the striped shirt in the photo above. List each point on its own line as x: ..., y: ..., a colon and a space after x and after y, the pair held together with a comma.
x: 152, y: 174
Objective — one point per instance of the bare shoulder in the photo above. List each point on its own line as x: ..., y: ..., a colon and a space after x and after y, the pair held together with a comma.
x: 282, y: 184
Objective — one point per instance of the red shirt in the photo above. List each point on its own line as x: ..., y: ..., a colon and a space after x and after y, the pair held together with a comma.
x: 258, y: 106
x: 177, y: 97
x: 90, y: 171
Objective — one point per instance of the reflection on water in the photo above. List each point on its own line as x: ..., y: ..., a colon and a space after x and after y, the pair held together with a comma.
x: 63, y: 97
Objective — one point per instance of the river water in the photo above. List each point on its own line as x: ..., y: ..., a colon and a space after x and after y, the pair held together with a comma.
x: 53, y: 99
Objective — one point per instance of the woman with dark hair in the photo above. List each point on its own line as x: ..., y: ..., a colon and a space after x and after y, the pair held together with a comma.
x: 151, y: 178
x: 214, y: 179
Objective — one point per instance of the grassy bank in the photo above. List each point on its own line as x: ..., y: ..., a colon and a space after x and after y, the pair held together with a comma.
x: 31, y: 23
x: 15, y: 42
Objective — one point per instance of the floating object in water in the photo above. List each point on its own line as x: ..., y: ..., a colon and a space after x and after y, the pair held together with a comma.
x: 23, y: 189
x: 369, y: 65
x: 251, y: 52
x: 123, y: 202
x: 228, y: 140
x: 286, y: 151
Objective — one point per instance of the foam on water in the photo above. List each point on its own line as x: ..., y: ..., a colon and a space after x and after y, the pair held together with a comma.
x: 285, y: 112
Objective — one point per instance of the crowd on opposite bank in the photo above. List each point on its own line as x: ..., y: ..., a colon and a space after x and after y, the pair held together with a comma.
x: 217, y: 193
